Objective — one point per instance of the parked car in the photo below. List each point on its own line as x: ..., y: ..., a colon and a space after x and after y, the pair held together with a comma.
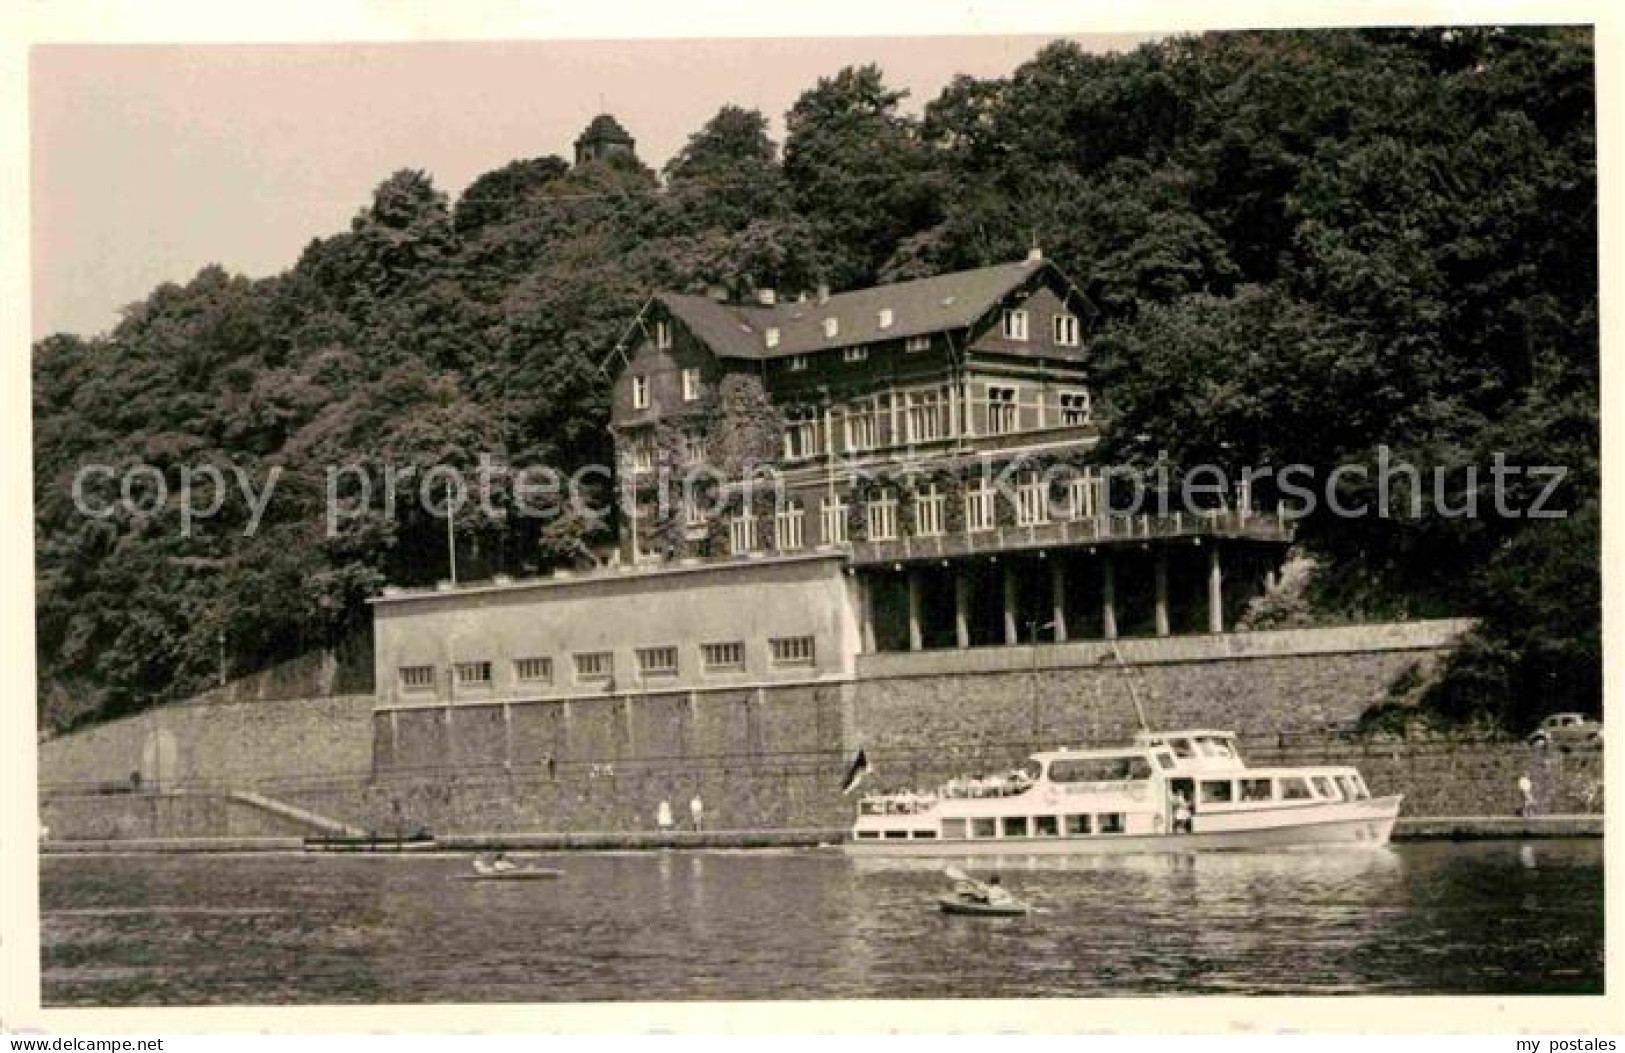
x: 1567, y: 729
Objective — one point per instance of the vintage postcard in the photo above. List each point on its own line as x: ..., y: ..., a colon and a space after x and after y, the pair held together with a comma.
x: 572, y: 514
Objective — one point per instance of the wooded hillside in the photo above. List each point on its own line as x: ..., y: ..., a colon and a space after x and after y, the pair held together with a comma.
x: 1304, y: 246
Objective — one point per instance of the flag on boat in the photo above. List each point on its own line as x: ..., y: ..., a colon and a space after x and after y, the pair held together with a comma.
x: 854, y: 775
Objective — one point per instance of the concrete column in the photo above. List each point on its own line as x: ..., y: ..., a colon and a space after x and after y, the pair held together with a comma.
x: 1108, y: 597
x: 1215, y: 592
x: 1012, y: 631
x: 916, y: 635
x: 1057, y: 595
x: 507, y: 736
x: 866, y: 613
x: 1160, y: 575
x: 961, y: 607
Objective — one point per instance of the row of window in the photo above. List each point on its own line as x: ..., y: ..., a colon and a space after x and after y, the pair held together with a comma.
x: 926, y: 416
x: 1014, y: 325
x: 881, y: 515
x: 692, y: 388
x: 1063, y: 327
x: 599, y: 666
x: 1282, y: 788
x: 989, y: 827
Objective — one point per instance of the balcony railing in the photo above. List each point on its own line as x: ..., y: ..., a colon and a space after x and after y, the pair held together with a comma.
x: 1254, y: 526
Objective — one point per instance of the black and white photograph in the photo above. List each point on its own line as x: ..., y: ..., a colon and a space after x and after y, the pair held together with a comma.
x: 1064, y: 512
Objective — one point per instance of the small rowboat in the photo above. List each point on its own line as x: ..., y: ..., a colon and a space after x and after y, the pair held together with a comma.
x: 978, y: 908
x: 980, y: 898
x: 487, y: 872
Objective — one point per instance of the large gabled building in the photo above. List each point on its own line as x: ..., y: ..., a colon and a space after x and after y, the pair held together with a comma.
x: 925, y: 429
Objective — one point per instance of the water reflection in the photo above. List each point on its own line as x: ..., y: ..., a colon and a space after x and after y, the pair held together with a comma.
x: 814, y: 924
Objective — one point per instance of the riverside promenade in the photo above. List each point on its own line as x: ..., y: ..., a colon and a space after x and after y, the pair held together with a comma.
x: 1430, y: 828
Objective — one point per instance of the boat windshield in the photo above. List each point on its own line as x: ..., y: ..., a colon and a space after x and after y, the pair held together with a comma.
x: 1216, y: 747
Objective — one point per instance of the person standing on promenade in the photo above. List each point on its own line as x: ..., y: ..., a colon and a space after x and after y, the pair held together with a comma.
x: 1526, y: 790
x: 663, y: 816
x: 696, y: 810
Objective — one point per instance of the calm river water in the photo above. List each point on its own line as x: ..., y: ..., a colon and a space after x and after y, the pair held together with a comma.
x: 272, y: 929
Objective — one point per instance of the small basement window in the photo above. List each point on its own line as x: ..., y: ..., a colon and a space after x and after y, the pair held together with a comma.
x: 533, y: 670
x: 417, y: 677
x: 728, y: 655
x: 474, y: 674
x: 792, y: 650
x: 657, y: 661
x: 595, y: 665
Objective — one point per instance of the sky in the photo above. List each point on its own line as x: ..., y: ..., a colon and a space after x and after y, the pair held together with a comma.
x: 148, y: 162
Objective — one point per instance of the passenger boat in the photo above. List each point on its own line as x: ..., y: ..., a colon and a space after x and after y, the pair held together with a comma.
x: 1166, y: 792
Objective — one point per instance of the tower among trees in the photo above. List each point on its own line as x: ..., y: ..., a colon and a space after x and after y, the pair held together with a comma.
x: 604, y: 138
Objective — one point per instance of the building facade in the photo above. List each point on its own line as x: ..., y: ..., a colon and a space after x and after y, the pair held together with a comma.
x: 938, y: 435
x: 807, y: 483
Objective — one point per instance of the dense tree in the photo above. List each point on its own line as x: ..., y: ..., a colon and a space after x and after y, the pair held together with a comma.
x: 1304, y: 247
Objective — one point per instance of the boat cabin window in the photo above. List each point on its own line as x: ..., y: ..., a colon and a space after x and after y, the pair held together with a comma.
x: 1046, y: 826
x: 1100, y: 769
x: 1077, y: 826
x: 1015, y: 826
x: 1346, y: 784
x: 1215, y: 747
x: 1182, y: 748
x: 1257, y: 790
x: 896, y: 835
x: 1216, y: 791
x: 1112, y: 823
x: 1323, y: 786
x: 987, y: 827
x: 868, y: 835
x: 926, y: 834
x: 1295, y: 788
x: 953, y: 828
x: 1360, y: 792
x: 1165, y: 760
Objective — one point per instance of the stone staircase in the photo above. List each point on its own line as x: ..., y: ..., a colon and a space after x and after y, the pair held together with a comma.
x: 319, y: 824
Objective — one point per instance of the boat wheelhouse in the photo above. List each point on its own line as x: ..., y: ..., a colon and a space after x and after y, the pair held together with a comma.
x: 1166, y: 791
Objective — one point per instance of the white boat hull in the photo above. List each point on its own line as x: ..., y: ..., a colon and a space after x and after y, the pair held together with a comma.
x: 1357, y: 824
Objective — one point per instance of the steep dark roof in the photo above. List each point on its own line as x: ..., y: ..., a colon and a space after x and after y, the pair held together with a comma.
x: 926, y: 305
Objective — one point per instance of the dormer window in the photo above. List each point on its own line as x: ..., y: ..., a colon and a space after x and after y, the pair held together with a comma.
x: 640, y: 393
x: 798, y: 363
x: 1015, y: 325
x: 663, y: 335
x: 1066, y: 330
x: 855, y: 354
x: 771, y: 337
x: 691, y: 384
x: 885, y: 318
x: 832, y: 328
